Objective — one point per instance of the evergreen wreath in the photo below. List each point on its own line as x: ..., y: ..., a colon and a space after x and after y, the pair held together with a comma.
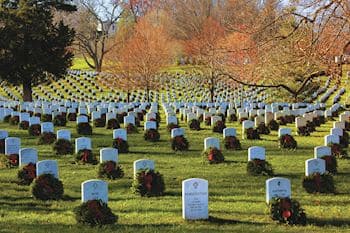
x: 63, y: 147
x: 259, y: 167
x: 286, y: 210
x: 179, y: 143
x: 26, y: 174
x: 213, y: 155
x: 232, y: 143
x: 319, y: 183
x: 121, y: 145
x: 148, y: 183
x: 110, y: 170
x: 94, y: 213
x: 47, y: 187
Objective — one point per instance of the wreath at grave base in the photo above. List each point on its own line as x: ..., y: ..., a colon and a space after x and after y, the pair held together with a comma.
x: 151, y: 135
x: 37, y: 114
x: 319, y: 183
x: 120, y: 116
x: 219, y: 126
x: 213, y: 155
x: 72, y: 116
x: 14, y: 120
x: 63, y: 147
x: 242, y: 119
x: 85, y: 156
x: 263, y: 129
x: 148, y: 183
x: 331, y: 163
x: 287, y: 142
x: 99, y: 123
x: 179, y: 143
x: 94, y: 213
x: 47, y: 138
x: 59, y: 120
x: 259, y: 167
x: 316, y: 121
x: 140, y: 116
x: 26, y: 174
x: 84, y: 129
x: 46, y: 118
x: 2, y: 146
x: 7, y: 118
x: 273, y: 125
x: 290, y: 118
x: 137, y: 122
x: 232, y: 143
x: 171, y: 126
x: 113, y: 124
x: 344, y: 140
x: 121, y: 145
x: 23, y: 125
x: 347, y: 126
x: 110, y: 170
x: 286, y: 210
x: 194, y: 124
x: 252, y: 134
x: 232, y: 118
x: 207, y: 121
x: 303, y: 131
x: 131, y: 128
x: 47, y: 187
x: 34, y: 130
x: 321, y: 120
x: 311, y: 127
x: 337, y: 150
x: 282, y: 120
x: 9, y: 161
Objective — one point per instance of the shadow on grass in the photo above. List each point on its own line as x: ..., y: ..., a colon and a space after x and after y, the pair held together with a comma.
x: 329, y: 222
x: 217, y: 220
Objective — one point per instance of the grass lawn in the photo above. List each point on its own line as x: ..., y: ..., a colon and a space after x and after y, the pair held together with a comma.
x: 236, y: 201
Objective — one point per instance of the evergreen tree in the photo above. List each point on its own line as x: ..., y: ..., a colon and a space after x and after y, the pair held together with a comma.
x: 33, y: 48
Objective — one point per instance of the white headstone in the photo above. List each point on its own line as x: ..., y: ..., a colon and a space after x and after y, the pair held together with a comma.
x: 64, y: 134
x: 94, y: 190
x: 211, y: 142
x: 82, y: 143
x: 12, y: 145
x: 195, y: 199
x: 108, y: 154
x: 256, y: 152
x: 143, y: 164
x: 28, y: 155
x: 177, y: 132
x: 82, y: 119
x: 321, y: 151
x: 47, y: 167
x: 229, y: 132
x: 277, y: 187
x: 331, y: 139
x: 129, y: 120
x: 120, y: 133
x: 315, y: 166
x: 150, y: 125
x: 47, y: 127
x: 284, y: 131
x: 3, y: 134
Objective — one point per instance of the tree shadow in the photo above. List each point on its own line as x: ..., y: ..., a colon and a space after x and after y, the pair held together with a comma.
x: 329, y: 222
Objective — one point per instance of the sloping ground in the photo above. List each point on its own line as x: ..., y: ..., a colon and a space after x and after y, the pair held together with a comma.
x: 236, y: 200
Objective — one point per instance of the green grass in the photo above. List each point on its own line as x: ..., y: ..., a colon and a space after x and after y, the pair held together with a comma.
x: 236, y: 201
x: 80, y: 64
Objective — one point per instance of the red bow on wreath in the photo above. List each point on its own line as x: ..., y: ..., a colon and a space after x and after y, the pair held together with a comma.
x: 13, y: 160
x: 147, y: 181
x: 285, y: 206
x: 85, y: 156
x: 94, y: 206
x: 328, y: 159
x: 109, y: 167
x: 119, y: 141
x: 211, y: 155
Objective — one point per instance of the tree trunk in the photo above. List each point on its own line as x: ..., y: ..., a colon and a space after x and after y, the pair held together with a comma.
x: 27, y: 91
x: 128, y: 97
x: 147, y: 91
